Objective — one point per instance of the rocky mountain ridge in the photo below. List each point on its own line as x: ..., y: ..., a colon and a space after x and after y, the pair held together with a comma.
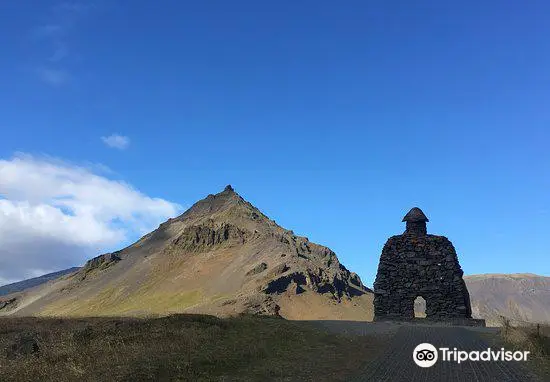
x: 221, y: 256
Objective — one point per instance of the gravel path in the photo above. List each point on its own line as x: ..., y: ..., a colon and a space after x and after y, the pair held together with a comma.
x: 396, y: 363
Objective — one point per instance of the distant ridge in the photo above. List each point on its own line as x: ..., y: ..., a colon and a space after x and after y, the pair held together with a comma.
x: 521, y: 297
x: 35, y: 281
x: 503, y: 275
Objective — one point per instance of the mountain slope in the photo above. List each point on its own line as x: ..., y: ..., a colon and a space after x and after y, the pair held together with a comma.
x: 222, y: 256
x: 520, y: 297
x: 35, y: 281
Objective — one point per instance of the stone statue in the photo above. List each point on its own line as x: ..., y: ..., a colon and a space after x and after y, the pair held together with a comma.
x: 418, y: 264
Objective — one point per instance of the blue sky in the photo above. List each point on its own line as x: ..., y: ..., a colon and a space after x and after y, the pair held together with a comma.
x: 334, y: 119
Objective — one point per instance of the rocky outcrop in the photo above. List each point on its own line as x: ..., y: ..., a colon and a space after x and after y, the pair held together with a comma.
x: 8, y: 303
x: 278, y: 270
x: 100, y: 262
x: 257, y: 269
x: 318, y: 280
x: 417, y: 264
x: 199, y: 238
x: 356, y: 280
x: 261, y: 305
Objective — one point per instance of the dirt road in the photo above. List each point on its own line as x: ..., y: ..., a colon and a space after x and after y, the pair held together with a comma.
x: 396, y: 362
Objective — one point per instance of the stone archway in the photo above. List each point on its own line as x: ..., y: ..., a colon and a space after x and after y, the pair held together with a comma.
x: 419, y: 304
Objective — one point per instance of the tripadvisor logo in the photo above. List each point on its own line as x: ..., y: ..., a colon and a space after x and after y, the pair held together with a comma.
x: 426, y: 355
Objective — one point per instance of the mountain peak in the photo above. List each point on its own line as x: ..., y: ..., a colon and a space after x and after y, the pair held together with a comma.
x: 223, y: 205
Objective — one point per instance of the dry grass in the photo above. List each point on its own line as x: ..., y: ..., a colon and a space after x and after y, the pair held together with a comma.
x: 179, y: 347
x: 532, y: 337
x: 113, y: 302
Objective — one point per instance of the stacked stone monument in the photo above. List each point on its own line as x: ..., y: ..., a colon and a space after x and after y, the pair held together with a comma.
x: 417, y: 264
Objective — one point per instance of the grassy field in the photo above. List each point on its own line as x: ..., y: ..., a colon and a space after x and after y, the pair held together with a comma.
x: 178, y: 347
x: 110, y: 302
x: 526, y: 337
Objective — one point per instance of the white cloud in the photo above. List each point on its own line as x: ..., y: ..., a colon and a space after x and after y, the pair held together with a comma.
x: 46, y: 31
x: 61, y: 21
x: 116, y: 141
x: 54, y: 215
x: 59, y: 53
x: 53, y: 77
x: 73, y: 7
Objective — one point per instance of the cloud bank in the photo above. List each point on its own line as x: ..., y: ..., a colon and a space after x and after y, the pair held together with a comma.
x: 54, y: 215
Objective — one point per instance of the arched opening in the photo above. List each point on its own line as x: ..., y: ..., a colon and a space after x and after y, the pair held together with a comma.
x: 420, y: 307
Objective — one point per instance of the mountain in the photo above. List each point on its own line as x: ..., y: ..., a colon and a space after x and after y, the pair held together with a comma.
x: 522, y: 297
x: 223, y: 256
x: 29, y: 283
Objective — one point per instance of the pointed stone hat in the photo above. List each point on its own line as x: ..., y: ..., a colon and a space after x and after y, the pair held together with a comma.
x: 415, y: 215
